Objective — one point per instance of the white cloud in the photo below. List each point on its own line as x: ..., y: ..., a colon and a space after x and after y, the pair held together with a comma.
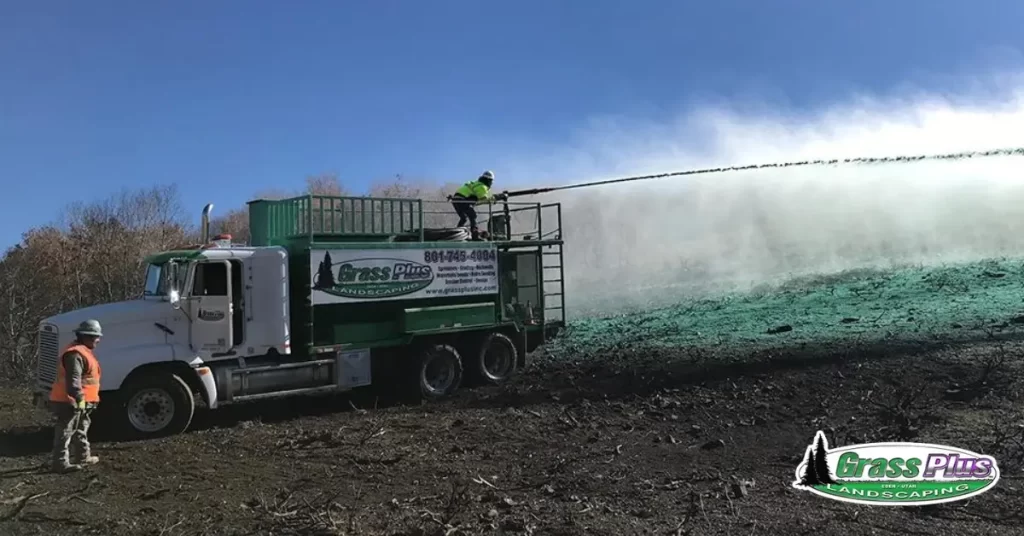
x: 737, y: 229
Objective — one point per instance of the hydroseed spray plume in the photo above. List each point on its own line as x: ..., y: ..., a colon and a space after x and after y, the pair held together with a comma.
x: 657, y: 242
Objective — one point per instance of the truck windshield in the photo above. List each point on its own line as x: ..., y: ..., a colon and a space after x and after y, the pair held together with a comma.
x: 154, y: 273
x: 158, y: 279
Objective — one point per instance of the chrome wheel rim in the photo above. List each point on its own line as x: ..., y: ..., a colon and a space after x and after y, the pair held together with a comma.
x: 150, y: 410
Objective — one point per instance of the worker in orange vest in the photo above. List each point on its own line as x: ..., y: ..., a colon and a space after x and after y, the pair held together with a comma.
x: 73, y: 397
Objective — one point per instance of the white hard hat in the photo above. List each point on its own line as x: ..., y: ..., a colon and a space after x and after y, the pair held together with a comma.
x: 89, y: 327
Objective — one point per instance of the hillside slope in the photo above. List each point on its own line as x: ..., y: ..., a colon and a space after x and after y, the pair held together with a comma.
x: 957, y: 302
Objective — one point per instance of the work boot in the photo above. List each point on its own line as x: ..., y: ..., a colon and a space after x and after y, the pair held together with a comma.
x: 89, y: 460
x: 64, y: 467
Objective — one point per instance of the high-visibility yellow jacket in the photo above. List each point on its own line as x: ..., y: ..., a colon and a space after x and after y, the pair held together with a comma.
x: 475, y: 190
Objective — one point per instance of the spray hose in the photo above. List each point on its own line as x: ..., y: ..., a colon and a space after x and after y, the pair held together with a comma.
x: 1018, y: 151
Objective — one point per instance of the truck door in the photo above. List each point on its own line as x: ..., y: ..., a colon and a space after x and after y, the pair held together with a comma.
x: 211, y: 306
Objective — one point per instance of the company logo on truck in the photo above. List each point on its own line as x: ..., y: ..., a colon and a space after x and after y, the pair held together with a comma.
x: 371, y: 278
x: 211, y: 315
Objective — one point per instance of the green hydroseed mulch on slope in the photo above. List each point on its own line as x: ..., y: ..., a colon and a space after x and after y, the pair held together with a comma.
x: 913, y: 304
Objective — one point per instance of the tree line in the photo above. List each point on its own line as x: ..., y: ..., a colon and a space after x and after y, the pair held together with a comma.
x: 92, y: 252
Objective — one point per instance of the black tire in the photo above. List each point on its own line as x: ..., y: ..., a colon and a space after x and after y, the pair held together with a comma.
x: 434, y: 361
x: 497, y: 359
x: 454, y: 234
x: 157, y: 404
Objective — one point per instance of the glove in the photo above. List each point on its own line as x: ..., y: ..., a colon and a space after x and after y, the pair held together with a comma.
x: 80, y: 404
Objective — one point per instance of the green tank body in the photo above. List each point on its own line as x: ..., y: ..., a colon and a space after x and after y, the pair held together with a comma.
x: 368, y: 273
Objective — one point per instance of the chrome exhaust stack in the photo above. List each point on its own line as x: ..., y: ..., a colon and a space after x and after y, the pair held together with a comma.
x: 204, y: 229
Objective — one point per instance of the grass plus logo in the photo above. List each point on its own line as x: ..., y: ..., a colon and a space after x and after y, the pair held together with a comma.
x: 897, y: 474
x: 371, y: 278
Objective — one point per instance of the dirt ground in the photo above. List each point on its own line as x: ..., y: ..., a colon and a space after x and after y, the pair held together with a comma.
x: 680, y: 444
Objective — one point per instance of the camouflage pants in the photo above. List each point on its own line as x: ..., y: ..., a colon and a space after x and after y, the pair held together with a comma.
x: 71, y: 430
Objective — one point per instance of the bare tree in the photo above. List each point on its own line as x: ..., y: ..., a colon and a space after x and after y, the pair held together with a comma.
x: 325, y: 184
x: 92, y: 254
x: 234, y: 222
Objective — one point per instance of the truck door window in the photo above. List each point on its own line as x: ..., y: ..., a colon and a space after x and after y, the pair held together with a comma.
x: 211, y: 280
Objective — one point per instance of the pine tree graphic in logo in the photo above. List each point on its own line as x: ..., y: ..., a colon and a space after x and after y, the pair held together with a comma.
x: 324, y: 276
x: 816, y: 472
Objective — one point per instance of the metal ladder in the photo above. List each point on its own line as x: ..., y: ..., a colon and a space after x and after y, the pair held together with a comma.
x: 548, y: 277
x: 552, y: 273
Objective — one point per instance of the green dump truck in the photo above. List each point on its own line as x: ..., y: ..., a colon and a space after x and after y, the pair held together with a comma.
x: 331, y: 294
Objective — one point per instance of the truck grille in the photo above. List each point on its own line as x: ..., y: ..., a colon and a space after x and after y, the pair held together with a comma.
x: 46, y: 354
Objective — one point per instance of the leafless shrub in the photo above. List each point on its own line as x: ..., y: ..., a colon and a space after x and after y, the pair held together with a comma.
x: 903, y: 409
x: 1006, y: 431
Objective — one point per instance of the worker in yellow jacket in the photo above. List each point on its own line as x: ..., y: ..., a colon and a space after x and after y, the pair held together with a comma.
x: 474, y: 193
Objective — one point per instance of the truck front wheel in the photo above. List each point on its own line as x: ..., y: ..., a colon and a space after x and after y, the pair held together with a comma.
x: 157, y: 404
x: 440, y: 371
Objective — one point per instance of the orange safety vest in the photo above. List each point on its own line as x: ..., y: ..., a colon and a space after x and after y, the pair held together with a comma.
x: 90, y: 376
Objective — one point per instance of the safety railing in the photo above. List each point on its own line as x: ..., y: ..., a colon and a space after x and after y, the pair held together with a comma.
x: 367, y: 217
x: 390, y: 219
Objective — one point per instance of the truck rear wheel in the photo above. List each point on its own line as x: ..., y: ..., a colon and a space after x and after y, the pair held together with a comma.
x: 497, y: 359
x: 439, y: 371
x: 157, y: 404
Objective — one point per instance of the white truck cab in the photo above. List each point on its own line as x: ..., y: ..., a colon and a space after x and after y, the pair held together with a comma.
x: 215, y: 303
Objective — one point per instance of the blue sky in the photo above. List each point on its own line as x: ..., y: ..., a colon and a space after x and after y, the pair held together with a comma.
x: 228, y: 98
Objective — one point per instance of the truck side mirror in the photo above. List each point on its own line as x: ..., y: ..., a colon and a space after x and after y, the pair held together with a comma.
x: 174, y: 295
